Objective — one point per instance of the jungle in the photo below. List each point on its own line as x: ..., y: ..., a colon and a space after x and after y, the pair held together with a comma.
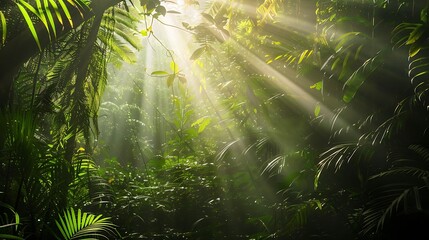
x: 214, y: 119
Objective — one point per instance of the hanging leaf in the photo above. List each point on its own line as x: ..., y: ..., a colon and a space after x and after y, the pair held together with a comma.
x: 66, y: 11
x: 416, y: 34
x: 182, y: 79
x: 424, y: 16
x: 50, y: 17
x: 174, y: 67
x: 29, y: 22
x: 146, y: 32
x: 57, y: 12
x: 208, y: 17
x: 197, y: 53
x: 358, y: 77
x: 317, y: 86
x: 414, y: 49
x: 317, y: 110
x: 3, y: 27
x: 161, y: 10
x: 170, y: 80
x: 202, y: 123
x: 173, y: 12
x: 143, y: 33
x: 305, y: 54
x: 159, y: 73
x: 186, y: 25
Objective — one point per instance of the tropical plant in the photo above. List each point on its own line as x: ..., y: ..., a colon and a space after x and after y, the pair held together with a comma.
x: 81, y: 225
x: 9, y: 225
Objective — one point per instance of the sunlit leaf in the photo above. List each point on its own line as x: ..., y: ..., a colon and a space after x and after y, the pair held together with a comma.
x: 182, y: 79
x: 3, y: 27
x: 186, y: 25
x: 159, y: 73
x: 83, y: 226
x: 174, y: 67
x: 305, y: 54
x: 29, y: 23
x: 317, y: 110
x: 173, y: 12
x: 416, y: 34
x: 57, y: 11
x: 197, y: 53
x: 66, y: 12
x: 208, y: 17
x: 414, y: 50
x: 424, y: 15
x: 161, y: 10
x: 50, y: 17
x: 317, y: 86
x: 170, y: 80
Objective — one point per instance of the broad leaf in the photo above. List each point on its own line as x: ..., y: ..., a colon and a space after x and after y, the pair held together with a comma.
x: 159, y: 73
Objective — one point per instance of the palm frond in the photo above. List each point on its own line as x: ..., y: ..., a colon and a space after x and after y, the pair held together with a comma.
x: 342, y: 154
x: 82, y: 225
x: 9, y: 225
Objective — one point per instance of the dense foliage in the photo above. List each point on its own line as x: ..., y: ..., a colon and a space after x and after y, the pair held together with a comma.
x: 287, y: 120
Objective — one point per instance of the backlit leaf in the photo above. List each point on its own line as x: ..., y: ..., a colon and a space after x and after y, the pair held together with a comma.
x: 208, y: 17
x: 174, y: 67
x: 159, y: 73
x: 197, y: 53
x: 66, y: 12
x: 170, y: 80
x: 317, y: 86
x: 161, y: 10
x: 317, y: 110
x: 3, y: 27
x: 416, y: 34
x: 29, y: 23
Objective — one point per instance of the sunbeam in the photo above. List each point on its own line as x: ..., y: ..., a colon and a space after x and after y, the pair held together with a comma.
x: 220, y: 119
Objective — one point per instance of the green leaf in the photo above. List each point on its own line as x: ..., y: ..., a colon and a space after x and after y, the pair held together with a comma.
x: 41, y: 14
x: 57, y: 11
x: 173, y: 12
x: 197, y: 53
x: 3, y: 27
x: 29, y: 23
x: 170, y: 80
x: 159, y: 73
x: 174, y: 67
x: 161, y: 10
x: 424, y: 16
x: 317, y: 110
x: 8, y: 236
x: 182, y: 79
x: 358, y: 77
x: 50, y: 17
x: 352, y: 85
x: 317, y: 86
x: 304, y: 54
x: 83, y: 226
x: 186, y: 25
x: 414, y: 49
x: 208, y: 17
x: 204, y: 124
x: 66, y: 12
x: 416, y: 34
